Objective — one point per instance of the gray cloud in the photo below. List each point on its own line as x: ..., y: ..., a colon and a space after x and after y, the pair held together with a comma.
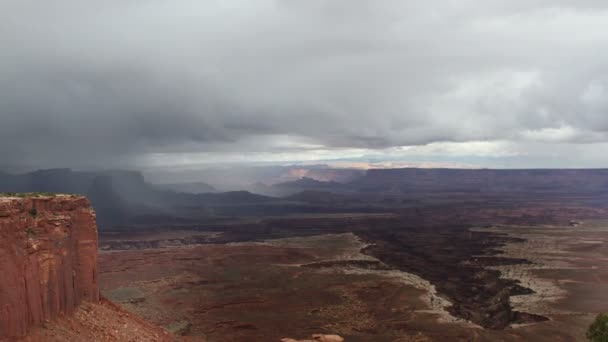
x: 109, y: 83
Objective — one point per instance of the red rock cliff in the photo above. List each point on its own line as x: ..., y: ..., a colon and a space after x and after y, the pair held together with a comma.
x: 48, y: 259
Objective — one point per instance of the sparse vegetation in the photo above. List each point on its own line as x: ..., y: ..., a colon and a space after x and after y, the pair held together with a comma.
x: 33, y: 212
x: 179, y: 327
x: 30, y: 232
x: 598, y: 331
x: 27, y: 194
x: 126, y: 295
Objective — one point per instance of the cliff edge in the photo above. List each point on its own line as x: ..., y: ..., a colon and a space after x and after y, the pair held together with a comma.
x: 48, y: 259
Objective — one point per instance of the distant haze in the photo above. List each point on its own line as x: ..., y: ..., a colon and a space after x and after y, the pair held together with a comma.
x: 161, y: 84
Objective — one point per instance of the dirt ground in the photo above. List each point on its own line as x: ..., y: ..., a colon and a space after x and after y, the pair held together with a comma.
x: 99, y: 322
x: 264, y: 291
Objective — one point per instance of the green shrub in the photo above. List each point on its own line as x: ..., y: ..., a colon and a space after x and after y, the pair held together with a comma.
x: 598, y: 331
x: 27, y: 194
x: 30, y: 232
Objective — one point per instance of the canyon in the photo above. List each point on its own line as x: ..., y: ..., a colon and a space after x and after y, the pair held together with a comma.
x: 393, y: 255
x: 366, y: 278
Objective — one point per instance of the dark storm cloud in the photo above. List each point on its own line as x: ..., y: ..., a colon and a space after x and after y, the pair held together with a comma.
x: 104, y: 83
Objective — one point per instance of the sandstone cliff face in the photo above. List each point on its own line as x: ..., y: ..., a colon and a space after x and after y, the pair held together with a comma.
x: 48, y: 259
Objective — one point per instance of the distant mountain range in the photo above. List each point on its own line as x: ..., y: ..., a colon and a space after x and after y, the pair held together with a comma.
x: 189, y: 187
x: 120, y: 196
x: 296, y: 186
x: 125, y: 197
x: 250, y: 177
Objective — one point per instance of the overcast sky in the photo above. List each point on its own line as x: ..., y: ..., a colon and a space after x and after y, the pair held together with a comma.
x: 114, y: 83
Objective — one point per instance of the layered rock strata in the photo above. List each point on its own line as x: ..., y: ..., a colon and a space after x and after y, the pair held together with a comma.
x: 48, y: 259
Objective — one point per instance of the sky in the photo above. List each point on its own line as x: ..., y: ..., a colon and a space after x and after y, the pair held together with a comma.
x: 166, y: 83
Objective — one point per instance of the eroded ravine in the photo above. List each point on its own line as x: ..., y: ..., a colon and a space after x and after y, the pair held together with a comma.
x: 456, y: 262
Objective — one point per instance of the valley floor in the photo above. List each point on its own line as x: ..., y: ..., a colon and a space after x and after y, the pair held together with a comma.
x: 298, y: 286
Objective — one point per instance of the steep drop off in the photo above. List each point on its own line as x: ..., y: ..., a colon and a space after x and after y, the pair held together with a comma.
x: 48, y: 259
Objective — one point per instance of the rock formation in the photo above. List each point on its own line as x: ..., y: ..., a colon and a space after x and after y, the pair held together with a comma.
x: 48, y: 259
x: 317, y: 338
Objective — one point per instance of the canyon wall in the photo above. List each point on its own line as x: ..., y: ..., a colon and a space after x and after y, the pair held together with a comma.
x: 48, y: 259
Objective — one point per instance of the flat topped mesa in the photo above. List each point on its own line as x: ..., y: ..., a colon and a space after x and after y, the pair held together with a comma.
x: 48, y: 258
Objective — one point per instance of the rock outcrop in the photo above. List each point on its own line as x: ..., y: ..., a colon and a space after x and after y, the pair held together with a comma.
x: 48, y: 259
x: 102, y: 321
x: 317, y: 338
